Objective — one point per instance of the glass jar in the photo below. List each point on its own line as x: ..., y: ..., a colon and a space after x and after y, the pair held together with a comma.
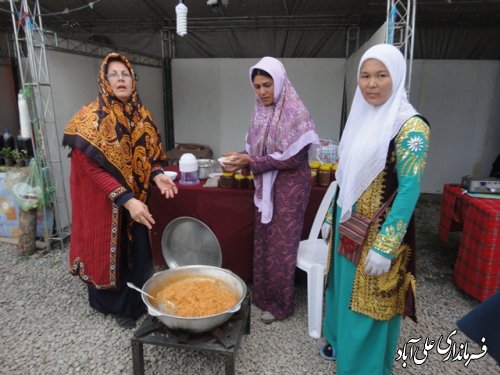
x: 324, y: 174
x: 314, y: 177
x: 250, y: 181
x: 240, y: 181
x: 314, y: 166
x: 333, y: 171
x: 226, y: 181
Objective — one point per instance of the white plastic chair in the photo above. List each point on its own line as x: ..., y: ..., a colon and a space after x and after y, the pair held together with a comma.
x: 311, y: 258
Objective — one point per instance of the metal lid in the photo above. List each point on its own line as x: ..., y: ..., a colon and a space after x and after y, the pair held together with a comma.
x: 188, y: 241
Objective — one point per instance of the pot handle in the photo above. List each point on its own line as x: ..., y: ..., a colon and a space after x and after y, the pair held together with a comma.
x: 152, y: 312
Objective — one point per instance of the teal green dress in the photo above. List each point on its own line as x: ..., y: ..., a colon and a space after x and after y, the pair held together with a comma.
x: 366, y: 339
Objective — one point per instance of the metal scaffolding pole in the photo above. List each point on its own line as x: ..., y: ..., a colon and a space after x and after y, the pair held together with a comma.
x: 401, y: 30
x: 30, y: 43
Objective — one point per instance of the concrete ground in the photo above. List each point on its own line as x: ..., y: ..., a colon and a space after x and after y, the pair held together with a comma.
x: 47, y: 327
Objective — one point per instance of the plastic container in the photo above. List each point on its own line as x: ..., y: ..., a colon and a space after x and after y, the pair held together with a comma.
x: 188, y: 166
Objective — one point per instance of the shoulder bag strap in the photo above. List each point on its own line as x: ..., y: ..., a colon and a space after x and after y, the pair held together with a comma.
x: 383, y: 207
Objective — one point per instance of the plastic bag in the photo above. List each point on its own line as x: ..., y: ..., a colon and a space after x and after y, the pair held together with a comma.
x: 26, y: 187
x: 326, y: 151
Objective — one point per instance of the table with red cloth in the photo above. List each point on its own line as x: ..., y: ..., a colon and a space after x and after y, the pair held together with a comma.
x: 477, y: 268
x: 229, y: 213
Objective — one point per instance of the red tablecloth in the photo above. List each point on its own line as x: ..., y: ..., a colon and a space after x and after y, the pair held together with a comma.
x: 477, y: 269
x: 230, y: 215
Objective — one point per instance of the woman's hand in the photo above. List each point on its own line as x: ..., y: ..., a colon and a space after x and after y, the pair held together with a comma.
x: 237, y: 161
x: 325, y: 231
x: 376, y: 264
x: 139, y: 212
x: 166, y: 185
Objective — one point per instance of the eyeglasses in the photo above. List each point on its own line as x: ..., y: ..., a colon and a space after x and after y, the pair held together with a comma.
x: 116, y: 75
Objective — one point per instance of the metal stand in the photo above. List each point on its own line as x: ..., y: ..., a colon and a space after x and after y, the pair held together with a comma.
x: 401, y: 30
x: 31, y: 42
x: 31, y: 56
x: 223, y: 340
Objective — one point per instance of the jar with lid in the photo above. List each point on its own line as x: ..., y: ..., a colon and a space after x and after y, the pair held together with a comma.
x: 324, y: 174
x: 314, y: 166
x: 240, y: 181
x: 333, y: 171
x: 188, y: 166
x: 226, y: 181
x: 250, y: 181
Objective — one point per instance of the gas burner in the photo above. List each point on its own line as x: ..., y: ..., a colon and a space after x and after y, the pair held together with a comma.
x: 224, y: 339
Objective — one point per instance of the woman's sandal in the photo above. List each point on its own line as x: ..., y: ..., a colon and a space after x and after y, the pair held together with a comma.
x: 267, y: 317
x: 328, y: 352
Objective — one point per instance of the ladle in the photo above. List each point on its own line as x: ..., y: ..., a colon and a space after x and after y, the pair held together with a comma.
x: 163, y: 305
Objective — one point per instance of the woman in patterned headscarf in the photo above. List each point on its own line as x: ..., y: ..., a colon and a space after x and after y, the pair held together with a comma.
x: 382, y: 151
x: 115, y: 157
x: 279, y: 137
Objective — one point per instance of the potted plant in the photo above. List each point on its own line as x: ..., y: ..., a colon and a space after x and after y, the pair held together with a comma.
x: 20, y: 156
x: 6, y: 153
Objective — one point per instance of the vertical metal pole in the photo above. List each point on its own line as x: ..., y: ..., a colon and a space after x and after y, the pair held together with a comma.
x: 401, y: 30
x: 167, y: 52
x: 36, y: 77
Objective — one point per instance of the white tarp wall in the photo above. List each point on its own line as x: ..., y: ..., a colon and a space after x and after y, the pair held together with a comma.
x: 460, y: 98
x: 214, y: 100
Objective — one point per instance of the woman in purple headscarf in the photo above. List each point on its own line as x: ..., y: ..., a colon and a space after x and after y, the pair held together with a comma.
x: 277, y: 144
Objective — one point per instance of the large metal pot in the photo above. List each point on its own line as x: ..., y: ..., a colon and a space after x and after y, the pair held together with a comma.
x: 195, y: 325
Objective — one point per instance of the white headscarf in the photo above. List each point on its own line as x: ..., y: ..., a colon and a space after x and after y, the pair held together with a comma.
x: 369, y: 130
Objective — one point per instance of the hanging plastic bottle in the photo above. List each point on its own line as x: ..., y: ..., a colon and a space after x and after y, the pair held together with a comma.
x: 24, y: 116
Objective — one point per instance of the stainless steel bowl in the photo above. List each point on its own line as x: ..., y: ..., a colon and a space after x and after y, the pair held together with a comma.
x: 195, y: 325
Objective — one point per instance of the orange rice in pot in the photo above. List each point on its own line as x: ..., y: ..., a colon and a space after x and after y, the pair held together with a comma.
x: 198, y: 297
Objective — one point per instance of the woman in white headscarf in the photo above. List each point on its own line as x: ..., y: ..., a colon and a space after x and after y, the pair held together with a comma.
x: 382, y: 154
x: 277, y: 142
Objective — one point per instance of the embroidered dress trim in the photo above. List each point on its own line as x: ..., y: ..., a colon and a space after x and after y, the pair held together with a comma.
x: 389, y: 241
x: 116, y: 193
x: 78, y: 267
x: 411, y: 147
x: 384, y: 296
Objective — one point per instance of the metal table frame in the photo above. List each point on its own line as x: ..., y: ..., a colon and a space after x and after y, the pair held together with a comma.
x: 225, y: 339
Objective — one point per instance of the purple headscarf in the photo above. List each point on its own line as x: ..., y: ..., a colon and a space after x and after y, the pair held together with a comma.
x: 280, y: 130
